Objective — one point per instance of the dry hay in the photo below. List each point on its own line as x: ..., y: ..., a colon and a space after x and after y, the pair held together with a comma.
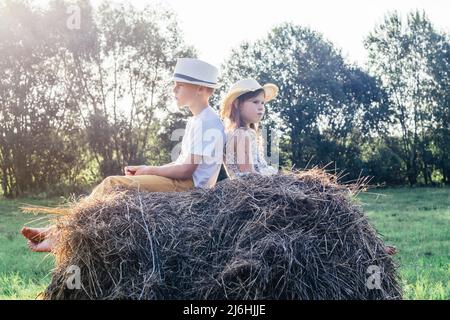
x: 288, y: 236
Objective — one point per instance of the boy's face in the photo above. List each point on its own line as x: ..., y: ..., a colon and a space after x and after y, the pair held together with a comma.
x: 252, y: 110
x: 185, y: 93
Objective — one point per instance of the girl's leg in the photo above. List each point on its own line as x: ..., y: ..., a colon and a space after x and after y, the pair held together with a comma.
x: 391, y: 250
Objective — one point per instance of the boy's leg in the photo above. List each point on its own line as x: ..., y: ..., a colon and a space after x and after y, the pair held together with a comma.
x: 149, y: 183
x: 40, y: 239
x: 35, y: 234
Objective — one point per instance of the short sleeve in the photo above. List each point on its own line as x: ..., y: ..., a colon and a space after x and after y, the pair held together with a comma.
x: 207, y: 141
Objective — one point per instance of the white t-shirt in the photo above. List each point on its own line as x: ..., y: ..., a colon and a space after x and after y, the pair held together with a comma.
x: 204, y: 136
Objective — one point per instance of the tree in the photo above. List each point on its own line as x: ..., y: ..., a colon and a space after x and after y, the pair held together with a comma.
x: 78, y: 86
x: 37, y: 137
x: 400, y: 55
x: 323, y: 100
x: 125, y: 81
x: 439, y: 64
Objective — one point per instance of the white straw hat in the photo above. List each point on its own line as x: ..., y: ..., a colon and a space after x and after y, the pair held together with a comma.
x: 243, y: 86
x: 195, y: 71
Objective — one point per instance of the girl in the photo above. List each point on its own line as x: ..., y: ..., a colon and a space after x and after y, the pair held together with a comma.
x: 242, y: 109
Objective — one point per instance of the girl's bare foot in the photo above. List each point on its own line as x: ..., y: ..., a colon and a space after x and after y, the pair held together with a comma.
x: 35, y: 234
x: 391, y: 250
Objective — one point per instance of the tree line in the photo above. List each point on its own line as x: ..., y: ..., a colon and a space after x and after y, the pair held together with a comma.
x: 78, y: 101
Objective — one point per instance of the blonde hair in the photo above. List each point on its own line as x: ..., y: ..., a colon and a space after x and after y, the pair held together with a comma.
x: 208, y: 90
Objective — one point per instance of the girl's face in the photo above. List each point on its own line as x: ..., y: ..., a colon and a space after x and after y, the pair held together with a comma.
x: 252, y: 110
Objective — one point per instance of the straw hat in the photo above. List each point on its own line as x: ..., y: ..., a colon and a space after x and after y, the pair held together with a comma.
x: 243, y: 86
x: 195, y: 71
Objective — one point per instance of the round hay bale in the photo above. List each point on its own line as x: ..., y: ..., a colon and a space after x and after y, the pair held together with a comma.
x: 287, y: 236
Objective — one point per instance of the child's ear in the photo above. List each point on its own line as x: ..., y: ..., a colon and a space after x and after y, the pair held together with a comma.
x: 210, y: 91
x: 206, y: 90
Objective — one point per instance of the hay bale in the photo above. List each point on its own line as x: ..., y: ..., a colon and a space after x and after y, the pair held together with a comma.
x: 288, y: 236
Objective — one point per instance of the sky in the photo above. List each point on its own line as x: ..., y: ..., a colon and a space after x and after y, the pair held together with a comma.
x: 214, y: 27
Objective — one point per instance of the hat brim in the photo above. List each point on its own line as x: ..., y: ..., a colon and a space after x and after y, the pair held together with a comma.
x: 270, y: 93
x: 198, y: 83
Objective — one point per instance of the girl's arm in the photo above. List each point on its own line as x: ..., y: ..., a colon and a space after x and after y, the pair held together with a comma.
x: 242, y: 150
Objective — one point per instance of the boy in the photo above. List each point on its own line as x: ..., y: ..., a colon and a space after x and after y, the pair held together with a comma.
x: 199, y: 162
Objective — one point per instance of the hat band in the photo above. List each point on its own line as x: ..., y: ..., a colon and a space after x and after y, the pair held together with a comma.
x: 182, y: 76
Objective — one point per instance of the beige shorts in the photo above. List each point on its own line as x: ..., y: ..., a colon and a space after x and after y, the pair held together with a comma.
x: 149, y: 183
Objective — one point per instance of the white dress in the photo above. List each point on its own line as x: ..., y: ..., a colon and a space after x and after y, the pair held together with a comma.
x: 237, y: 140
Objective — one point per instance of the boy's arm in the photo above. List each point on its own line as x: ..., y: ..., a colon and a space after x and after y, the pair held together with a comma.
x: 168, y: 164
x: 138, y: 170
x: 172, y: 170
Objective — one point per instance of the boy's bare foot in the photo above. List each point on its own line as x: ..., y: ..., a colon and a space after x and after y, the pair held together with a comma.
x: 391, y: 250
x: 35, y: 234
x: 43, y: 246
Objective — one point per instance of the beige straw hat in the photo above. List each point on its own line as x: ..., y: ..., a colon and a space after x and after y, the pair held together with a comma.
x: 243, y: 86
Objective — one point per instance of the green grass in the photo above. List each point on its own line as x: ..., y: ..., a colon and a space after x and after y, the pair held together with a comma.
x: 417, y: 221
x: 23, y: 274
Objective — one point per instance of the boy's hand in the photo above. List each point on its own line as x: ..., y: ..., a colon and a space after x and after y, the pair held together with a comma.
x: 135, y: 170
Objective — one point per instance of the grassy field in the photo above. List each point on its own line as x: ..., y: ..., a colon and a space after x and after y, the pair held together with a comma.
x: 23, y: 274
x: 417, y: 221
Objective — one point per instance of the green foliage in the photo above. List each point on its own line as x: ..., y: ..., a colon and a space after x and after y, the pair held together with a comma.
x: 77, y: 99
x: 78, y: 104
x: 326, y: 106
x: 411, y: 60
